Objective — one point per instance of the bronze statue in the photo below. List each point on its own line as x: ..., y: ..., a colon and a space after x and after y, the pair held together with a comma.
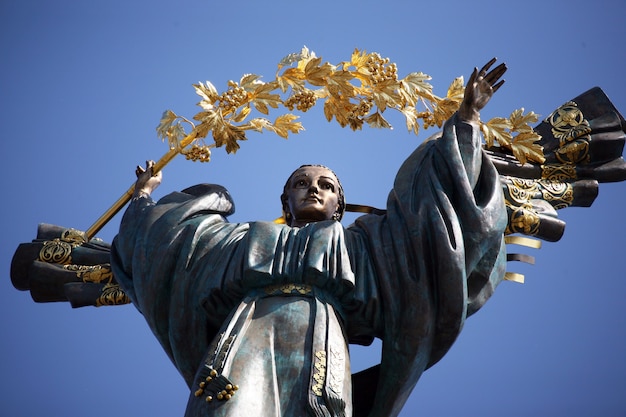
x: 257, y: 317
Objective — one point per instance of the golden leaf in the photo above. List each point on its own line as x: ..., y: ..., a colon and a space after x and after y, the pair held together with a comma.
x: 228, y: 135
x: 410, y: 113
x: 243, y: 113
x: 292, y: 77
x: 294, y: 57
x: 443, y: 110
x: 258, y: 124
x: 315, y: 73
x: 262, y: 97
x: 206, y: 91
x: 456, y: 90
x: 525, y: 148
x: 165, y: 123
x: 385, y: 94
x: 497, y: 129
x: 414, y: 86
x: 285, y: 124
x: 339, y: 107
x: 341, y: 80
x: 250, y: 81
x: 521, y: 122
x: 377, y: 120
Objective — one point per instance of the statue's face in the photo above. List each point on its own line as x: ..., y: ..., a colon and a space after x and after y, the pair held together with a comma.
x: 312, y: 195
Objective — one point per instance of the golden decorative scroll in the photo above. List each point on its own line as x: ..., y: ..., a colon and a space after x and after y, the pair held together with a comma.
x: 112, y: 295
x: 572, y: 130
x: 92, y: 273
x: 56, y: 252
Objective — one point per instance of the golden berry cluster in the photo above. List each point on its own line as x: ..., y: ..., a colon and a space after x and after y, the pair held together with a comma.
x: 380, y: 69
x: 197, y: 153
x: 302, y: 100
x: 232, y: 98
x: 361, y: 110
x: 428, y: 119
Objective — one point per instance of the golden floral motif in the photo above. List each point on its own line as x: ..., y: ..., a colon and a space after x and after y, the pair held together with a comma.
x: 112, y: 295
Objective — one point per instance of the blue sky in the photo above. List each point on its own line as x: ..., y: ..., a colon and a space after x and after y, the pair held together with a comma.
x: 84, y: 84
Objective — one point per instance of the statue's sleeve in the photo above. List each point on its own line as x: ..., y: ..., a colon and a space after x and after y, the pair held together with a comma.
x: 156, y: 259
x: 438, y: 254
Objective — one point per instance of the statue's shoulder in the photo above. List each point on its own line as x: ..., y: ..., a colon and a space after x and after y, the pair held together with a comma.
x: 212, y: 197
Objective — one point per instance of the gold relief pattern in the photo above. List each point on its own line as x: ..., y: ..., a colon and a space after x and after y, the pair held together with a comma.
x: 283, y: 289
x: 112, y: 295
x: 557, y: 172
x: 572, y: 130
x: 559, y: 194
x: 92, y: 273
x: 59, y: 251
x: 522, y: 220
x: 73, y: 236
x: 519, y: 193
x: 56, y: 252
x: 320, y: 373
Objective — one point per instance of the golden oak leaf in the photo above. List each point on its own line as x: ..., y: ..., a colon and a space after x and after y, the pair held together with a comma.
x: 521, y: 122
x: 525, y: 147
x: 377, y: 120
x: 497, y: 129
x: 285, y: 124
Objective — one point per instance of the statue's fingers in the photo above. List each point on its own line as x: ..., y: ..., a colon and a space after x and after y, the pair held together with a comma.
x: 472, y: 77
x: 497, y: 86
x: 488, y: 65
x: 495, y: 74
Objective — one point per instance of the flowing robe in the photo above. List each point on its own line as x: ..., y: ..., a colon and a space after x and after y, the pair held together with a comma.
x: 272, y: 308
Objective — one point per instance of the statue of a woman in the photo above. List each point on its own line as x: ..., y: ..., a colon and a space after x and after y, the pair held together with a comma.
x: 258, y: 316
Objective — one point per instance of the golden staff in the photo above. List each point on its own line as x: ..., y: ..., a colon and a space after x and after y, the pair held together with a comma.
x: 125, y: 198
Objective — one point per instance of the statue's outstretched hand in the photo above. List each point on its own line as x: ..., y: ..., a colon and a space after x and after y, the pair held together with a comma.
x: 147, y: 181
x: 479, y: 89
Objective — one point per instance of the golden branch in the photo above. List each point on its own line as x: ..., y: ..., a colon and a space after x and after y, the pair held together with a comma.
x: 354, y: 92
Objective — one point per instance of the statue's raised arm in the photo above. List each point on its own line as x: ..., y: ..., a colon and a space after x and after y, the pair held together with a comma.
x: 479, y: 89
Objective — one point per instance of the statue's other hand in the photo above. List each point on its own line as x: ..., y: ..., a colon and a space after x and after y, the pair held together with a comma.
x: 479, y: 89
x: 147, y: 180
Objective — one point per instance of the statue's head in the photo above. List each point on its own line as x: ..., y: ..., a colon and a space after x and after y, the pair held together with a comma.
x: 312, y: 193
